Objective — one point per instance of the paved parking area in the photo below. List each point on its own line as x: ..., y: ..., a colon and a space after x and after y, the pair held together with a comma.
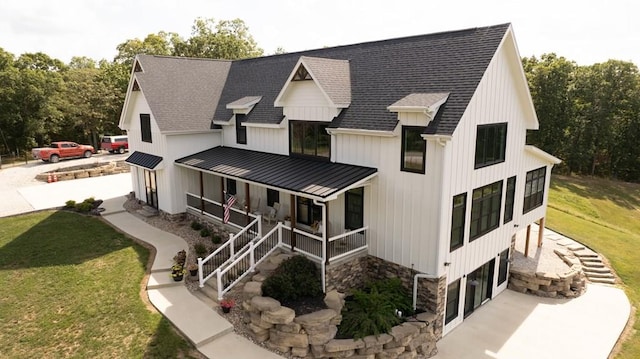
x: 20, y: 192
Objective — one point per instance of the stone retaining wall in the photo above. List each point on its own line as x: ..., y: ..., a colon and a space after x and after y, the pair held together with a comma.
x: 313, y: 335
x: 569, y: 284
x: 85, y: 171
x: 356, y: 272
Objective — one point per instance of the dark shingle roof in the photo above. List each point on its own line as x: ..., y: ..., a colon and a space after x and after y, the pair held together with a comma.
x: 314, y: 178
x: 182, y: 92
x: 382, y: 73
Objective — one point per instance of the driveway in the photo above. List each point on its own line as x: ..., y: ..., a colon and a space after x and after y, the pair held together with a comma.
x: 21, y: 192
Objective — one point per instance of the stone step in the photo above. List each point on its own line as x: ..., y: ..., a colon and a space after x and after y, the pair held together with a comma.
x: 592, y: 265
x: 585, y: 253
x: 575, y: 247
x: 147, y: 211
x: 588, y: 270
x: 591, y: 259
x: 600, y: 275
x: 209, y: 291
x: 602, y: 280
x: 162, y: 279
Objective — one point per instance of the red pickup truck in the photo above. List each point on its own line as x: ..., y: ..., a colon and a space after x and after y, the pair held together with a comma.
x: 58, y: 150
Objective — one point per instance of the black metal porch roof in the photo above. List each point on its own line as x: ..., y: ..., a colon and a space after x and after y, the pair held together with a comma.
x: 313, y: 178
x: 145, y: 160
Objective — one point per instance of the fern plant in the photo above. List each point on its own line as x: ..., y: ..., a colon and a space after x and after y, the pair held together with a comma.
x: 367, y: 314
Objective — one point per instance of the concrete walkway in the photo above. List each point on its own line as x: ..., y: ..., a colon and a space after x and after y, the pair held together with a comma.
x: 202, y: 325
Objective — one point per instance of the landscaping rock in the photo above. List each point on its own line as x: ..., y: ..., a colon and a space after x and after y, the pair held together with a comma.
x: 319, y: 317
x: 282, y: 315
x: 252, y: 289
x: 262, y: 304
x: 288, y: 339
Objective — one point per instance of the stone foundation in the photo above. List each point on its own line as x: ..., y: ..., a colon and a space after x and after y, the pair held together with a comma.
x: 313, y: 335
x: 356, y: 272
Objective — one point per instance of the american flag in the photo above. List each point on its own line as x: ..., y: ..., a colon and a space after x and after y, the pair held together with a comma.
x: 230, y: 199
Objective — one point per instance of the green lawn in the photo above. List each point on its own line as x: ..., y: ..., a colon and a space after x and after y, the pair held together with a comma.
x: 604, y: 215
x: 71, y: 288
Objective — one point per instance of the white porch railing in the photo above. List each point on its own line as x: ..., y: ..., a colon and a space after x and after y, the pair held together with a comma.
x: 239, y: 256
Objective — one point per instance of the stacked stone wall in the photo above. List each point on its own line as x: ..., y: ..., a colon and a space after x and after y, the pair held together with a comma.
x: 85, y: 171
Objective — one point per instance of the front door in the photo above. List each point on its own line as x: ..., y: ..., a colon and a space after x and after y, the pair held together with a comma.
x: 152, y: 191
x: 479, y: 287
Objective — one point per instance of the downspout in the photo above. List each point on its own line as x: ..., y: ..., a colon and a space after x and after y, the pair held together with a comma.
x: 324, y: 244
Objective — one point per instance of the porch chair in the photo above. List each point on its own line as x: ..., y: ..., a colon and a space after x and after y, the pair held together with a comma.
x: 272, y: 212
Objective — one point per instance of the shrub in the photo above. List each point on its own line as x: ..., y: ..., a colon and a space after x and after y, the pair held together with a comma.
x: 70, y: 204
x: 296, y: 278
x: 83, y: 207
x: 216, y: 239
x: 200, y: 249
x: 89, y: 200
x: 373, y: 310
x: 196, y: 225
x: 204, y: 232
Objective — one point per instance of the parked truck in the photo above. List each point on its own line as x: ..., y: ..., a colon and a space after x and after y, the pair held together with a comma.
x: 63, y: 149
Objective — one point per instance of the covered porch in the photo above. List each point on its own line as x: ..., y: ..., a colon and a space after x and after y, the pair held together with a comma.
x: 313, y: 207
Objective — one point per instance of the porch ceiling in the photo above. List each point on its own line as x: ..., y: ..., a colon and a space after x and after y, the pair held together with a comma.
x: 317, y: 179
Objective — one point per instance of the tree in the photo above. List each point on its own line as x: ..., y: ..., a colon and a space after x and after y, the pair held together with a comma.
x: 153, y: 44
x: 550, y: 81
x: 228, y: 39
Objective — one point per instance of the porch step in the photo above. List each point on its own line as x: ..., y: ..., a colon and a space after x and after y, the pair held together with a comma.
x: 162, y: 279
x: 591, y: 259
x: 593, y: 265
x: 576, y: 247
x: 147, y: 212
x: 209, y: 291
x: 600, y: 275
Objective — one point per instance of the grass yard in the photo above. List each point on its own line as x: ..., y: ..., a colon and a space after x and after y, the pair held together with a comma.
x: 604, y: 215
x: 71, y: 288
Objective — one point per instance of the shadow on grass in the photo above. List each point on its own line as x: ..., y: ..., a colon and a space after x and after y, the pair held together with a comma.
x: 52, y: 239
x: 624, y: 195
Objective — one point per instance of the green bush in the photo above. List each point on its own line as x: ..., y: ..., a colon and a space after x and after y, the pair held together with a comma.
x: 204, y: 232
x: 216, y: 239
x: 196, y: 225
x: 374, y: 310
x: 89, y: 200
x: 200, y: 249
x: 70, y: 204
x: 83, y: 207
x: 296, y: 278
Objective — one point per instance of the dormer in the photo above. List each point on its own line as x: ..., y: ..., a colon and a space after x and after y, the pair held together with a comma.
x: 316, y: 90
x: 426, y: 104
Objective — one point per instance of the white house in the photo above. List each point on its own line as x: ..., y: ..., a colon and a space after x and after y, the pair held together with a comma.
x: 404, y: 157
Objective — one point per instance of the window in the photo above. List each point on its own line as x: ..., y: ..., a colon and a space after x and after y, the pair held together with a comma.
x: 145, y: 127
x: 458, y: 214
x: 301, y: 74
x: 534, y: 189
x: 504, y: 265
x: 241, y: 130
x: 491, y: 143
x: 307, y: 212
x: 310, y: 139
x: 508, y: 201
x: 413, y: 149
x: 485, y: 209
x: 273, y: 196
x: 354, y: 208
x: 453, y: 301
x: 231, y: 187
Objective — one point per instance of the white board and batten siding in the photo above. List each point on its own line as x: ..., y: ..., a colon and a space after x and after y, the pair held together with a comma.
x: 401, y: 208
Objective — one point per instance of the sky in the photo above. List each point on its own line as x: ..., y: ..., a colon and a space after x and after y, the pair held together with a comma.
x: 586, y: 32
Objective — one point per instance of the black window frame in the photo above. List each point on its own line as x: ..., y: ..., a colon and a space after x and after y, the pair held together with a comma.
x: 458, y: 207
x: 241, y: 130
x: 485, y: 204
x: 419, y: 142
x: 453, y: 302
x: 491, y: 144
x: 314, y: 212
x: 509, y: 199
x: 145, y: 128
x: 273, y: 196
x: 354, y: 208
x: 534, y: 189
x: 309, y: 130
x: 503, y: 266
x: 232, y: 186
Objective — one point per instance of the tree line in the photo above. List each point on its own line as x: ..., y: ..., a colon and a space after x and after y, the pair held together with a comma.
x: 589, y: 115
x: 43, y: 99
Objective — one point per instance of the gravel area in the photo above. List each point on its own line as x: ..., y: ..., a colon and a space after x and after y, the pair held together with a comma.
x: 542, y: 259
